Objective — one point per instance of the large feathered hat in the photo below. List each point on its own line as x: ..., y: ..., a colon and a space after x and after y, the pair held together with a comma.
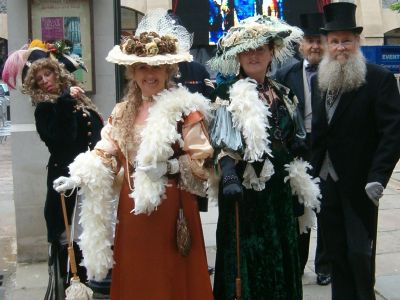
x: 252, y: 33
x: 158, y: 40
x: 17, y: 64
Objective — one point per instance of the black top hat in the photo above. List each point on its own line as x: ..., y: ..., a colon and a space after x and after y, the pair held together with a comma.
x: 311, y: 23
x: 340, y: 16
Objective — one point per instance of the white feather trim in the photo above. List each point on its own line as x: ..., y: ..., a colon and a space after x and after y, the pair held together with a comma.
x: 96, y: 213
x: 250, y: 179
x: 158, y: 136
x: 302, y: 184
x: 307, y: 220
x: 250, y: 116
x: 213, y: 186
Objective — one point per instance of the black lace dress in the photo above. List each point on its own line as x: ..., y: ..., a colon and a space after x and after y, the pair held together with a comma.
x: 270, y: 267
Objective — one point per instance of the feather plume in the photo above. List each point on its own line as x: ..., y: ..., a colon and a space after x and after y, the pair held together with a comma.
x: 307, y: 220
x: 302, y: 184
x: 13, y: 67
x: 96, y: 214
x: 158, y: 136
x: 250, y: 116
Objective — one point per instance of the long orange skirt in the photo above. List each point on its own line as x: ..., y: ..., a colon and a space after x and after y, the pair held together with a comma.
x: 148, y: 265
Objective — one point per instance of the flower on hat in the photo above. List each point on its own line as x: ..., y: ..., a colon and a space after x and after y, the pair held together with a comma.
x: 37, y: 44
x: 149, y: 44
x: 158, y: 40
x: 59, y: 47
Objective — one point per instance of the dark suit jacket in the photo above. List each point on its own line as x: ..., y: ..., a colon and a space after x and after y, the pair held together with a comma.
x: 193, y: 75
x: 363, y: 138
x: 292, y: 77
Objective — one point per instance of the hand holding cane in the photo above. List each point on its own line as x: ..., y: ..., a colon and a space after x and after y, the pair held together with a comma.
x: 77, y: 290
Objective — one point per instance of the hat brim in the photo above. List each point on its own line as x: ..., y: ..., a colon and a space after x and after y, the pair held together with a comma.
x: 116, y: 56
x: 227, y: 62
x: 70, y: 63
x: 311, y: 33
x: 356, y: 30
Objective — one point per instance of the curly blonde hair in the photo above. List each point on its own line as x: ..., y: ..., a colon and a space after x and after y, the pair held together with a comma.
x: 133, y: 99
x: 64, y: 81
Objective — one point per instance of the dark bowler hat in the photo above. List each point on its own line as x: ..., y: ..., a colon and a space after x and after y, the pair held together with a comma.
x: 36, y: 53
x: 311, y: 23
x: 340, y: 16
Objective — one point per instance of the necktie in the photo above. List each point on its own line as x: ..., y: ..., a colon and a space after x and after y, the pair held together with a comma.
x: 310, y: 72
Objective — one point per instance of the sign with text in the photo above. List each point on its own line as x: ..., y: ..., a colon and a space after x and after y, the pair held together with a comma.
x: 386, y: 56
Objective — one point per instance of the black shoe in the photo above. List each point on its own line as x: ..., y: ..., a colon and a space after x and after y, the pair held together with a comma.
x: 210, y: 270
x: 323, y: 279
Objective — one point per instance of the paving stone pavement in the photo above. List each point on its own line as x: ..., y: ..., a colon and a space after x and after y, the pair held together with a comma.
x: 28, y: 281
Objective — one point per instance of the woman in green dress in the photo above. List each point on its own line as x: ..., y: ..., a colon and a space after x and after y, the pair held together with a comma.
x: 257, y: 134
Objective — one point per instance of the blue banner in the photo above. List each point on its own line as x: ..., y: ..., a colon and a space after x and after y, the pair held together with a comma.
x: 386, y: 56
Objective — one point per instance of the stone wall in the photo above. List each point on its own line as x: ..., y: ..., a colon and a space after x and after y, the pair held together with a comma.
x: 29, y: 153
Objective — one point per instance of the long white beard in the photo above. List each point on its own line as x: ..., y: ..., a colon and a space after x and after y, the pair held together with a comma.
x: 347, y: 77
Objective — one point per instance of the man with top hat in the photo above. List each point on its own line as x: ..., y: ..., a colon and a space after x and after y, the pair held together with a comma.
x: 355, y: 147
x: 297, y: 77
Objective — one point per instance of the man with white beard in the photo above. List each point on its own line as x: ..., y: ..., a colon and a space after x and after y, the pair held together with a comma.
x: 355, y: 147
x: 298, y: 77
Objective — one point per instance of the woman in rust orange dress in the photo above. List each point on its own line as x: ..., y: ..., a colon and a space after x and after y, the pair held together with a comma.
x: 157, y: 138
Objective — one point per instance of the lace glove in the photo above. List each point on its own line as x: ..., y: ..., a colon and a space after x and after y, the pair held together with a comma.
x: 231, y: 185
x: 62, y: 184
x: 160, y: 169
x: 374, y: 191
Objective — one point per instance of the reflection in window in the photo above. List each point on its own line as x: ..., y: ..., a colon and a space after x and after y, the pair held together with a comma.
x: 387, y: 3
x: 130, y: 19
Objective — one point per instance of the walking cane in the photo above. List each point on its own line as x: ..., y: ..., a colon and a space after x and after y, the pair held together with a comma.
x: 375, y: 237
x: 238, y: 282
x: 77, y: 290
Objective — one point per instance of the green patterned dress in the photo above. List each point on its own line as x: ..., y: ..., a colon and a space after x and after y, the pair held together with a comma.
x: 270, y: 267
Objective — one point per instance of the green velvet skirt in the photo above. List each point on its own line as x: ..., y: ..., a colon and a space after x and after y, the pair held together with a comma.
x: 269, y: 258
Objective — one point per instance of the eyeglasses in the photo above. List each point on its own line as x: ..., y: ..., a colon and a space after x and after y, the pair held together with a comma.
x: 336, y: 44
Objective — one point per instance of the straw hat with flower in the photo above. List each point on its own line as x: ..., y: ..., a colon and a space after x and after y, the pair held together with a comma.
x: 158, y: 40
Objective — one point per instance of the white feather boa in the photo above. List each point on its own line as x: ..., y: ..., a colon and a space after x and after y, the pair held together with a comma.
x: 250, y: 116
x: 158, y: 136
x: 307, y: 220
x: 96, y: 213
x: 306, y: 189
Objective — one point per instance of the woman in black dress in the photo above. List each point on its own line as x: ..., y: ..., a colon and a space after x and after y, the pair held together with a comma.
x: 68, y: 123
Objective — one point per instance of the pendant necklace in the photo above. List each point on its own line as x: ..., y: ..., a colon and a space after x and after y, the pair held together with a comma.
x: 147, y: 98
x: 332, y: 96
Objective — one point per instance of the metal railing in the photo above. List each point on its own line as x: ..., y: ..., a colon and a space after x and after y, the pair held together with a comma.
x: 5, y: 124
